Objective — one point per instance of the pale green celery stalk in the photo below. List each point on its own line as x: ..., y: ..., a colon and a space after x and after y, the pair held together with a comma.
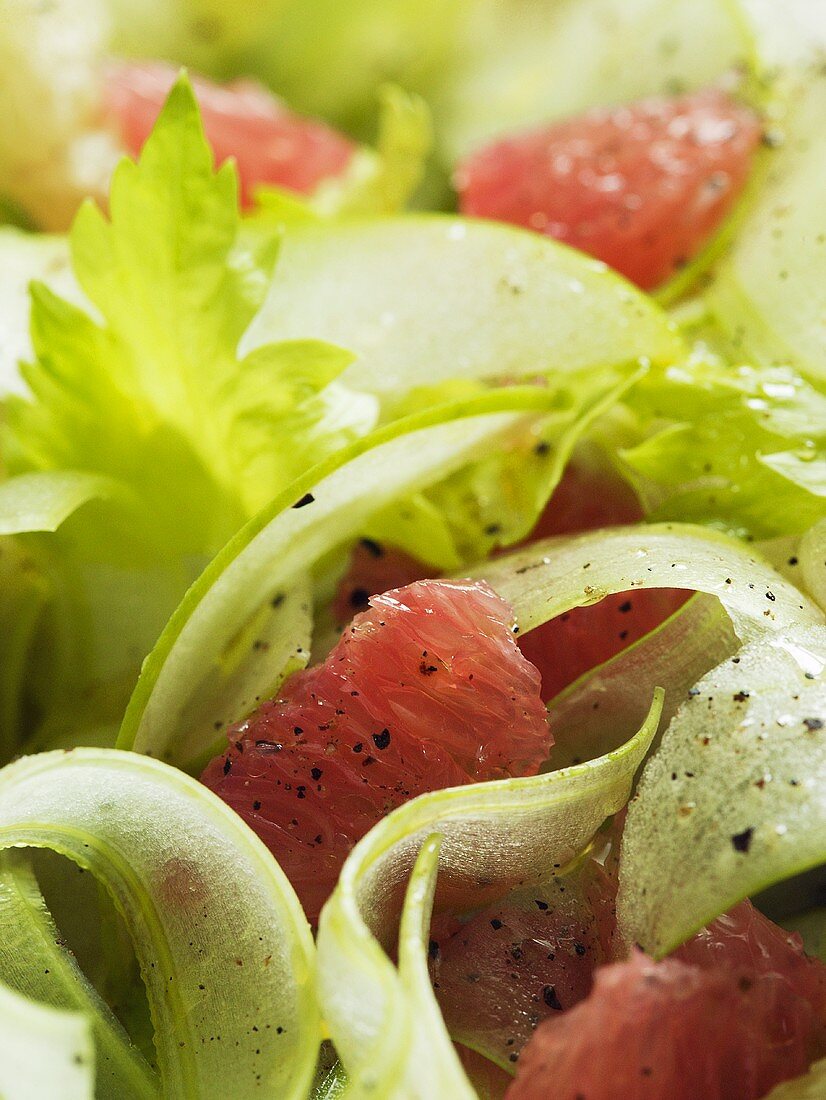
x: 35, y: 963
x: 767, y: 296
x: 241, y: 592
x: 383, y: 1021
x: 812, y: 558
x: 426, y: 299
x: 734, y: 800
x: 548, y: 578
x: 523, y: 66
x: 225, y: 951
x: 600, y: 709
x: 44, y: 1051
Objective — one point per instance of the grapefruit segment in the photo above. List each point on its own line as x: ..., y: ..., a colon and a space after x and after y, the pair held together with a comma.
x: 517, y: 962
x: 744, y: 939
x: 271, y: 145
x: 641, y: 186
x: 671, y: 1029
x: 426, y: 689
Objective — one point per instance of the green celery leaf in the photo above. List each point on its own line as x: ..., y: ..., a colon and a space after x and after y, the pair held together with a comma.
x: 148, y: 386
x: 42, y: 501
x: 742, y: 448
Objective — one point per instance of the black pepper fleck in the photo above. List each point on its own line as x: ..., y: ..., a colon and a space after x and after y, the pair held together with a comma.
x: 741, y: 842
x: 382, y: 740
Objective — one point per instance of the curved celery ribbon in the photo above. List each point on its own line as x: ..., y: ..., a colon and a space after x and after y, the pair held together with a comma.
x: 767, y: 294
x: 725, y: 805
x: 34, y: 962
x: 600, y: 709
x: 733, y: 801
x: 499, y: 302
x: 43, y: 1051
x: 493, y: 836
x: 207, y: 656
x: 549, y: 578
x: 731, y: 804
x: 225, y: 951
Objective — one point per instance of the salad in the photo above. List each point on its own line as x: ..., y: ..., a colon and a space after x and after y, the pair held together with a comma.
x: 412, y: 550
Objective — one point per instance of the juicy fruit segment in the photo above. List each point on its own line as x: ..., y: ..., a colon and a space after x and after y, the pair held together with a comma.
x: 533, y: 956
x: 441, y: 662
x: 641, y: 186
x: 564, y: 648
x: 651, y: 1030
x: 587, y: 497
x: 733, y: 1012
x: 242, y: 120
x: 744, y: 939
x: 426, y: 689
